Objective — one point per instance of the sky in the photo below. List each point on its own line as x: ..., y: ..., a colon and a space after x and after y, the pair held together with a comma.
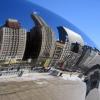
x: 85, y: 14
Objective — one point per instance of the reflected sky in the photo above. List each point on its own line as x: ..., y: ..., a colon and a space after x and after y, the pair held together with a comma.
x: 82, y: 13
x: 21, y: 10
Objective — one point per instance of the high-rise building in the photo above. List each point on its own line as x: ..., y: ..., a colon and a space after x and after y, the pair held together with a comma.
x: 72, y: 49
x: 41, y: 42
x: 89, y: 57
x: 57, y: 54
x: 13, y: 41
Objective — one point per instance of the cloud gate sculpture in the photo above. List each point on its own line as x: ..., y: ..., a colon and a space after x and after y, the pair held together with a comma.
x: 33, y: 36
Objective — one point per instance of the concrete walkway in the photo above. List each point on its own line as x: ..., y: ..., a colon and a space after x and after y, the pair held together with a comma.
x: 41, y: 86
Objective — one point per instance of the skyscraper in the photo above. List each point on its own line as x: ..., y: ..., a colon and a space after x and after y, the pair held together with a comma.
x: 13, y: 41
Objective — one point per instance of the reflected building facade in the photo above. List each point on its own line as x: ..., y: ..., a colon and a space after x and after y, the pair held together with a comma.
x: 50, y: 40
x: 39, y: 45
x: 13, y: 42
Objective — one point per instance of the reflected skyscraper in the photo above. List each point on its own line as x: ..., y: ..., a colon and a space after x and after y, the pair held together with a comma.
x: 13, y: 42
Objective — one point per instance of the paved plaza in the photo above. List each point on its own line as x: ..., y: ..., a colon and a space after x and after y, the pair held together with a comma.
x: 41, y: 86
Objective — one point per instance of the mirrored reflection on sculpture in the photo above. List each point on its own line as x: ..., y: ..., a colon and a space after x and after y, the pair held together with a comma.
x: 32, y: 37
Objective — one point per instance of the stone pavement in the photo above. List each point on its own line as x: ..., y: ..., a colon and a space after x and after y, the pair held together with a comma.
x: 50, y: 88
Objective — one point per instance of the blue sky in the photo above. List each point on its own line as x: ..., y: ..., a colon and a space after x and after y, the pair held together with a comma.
x: 85, y: 14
